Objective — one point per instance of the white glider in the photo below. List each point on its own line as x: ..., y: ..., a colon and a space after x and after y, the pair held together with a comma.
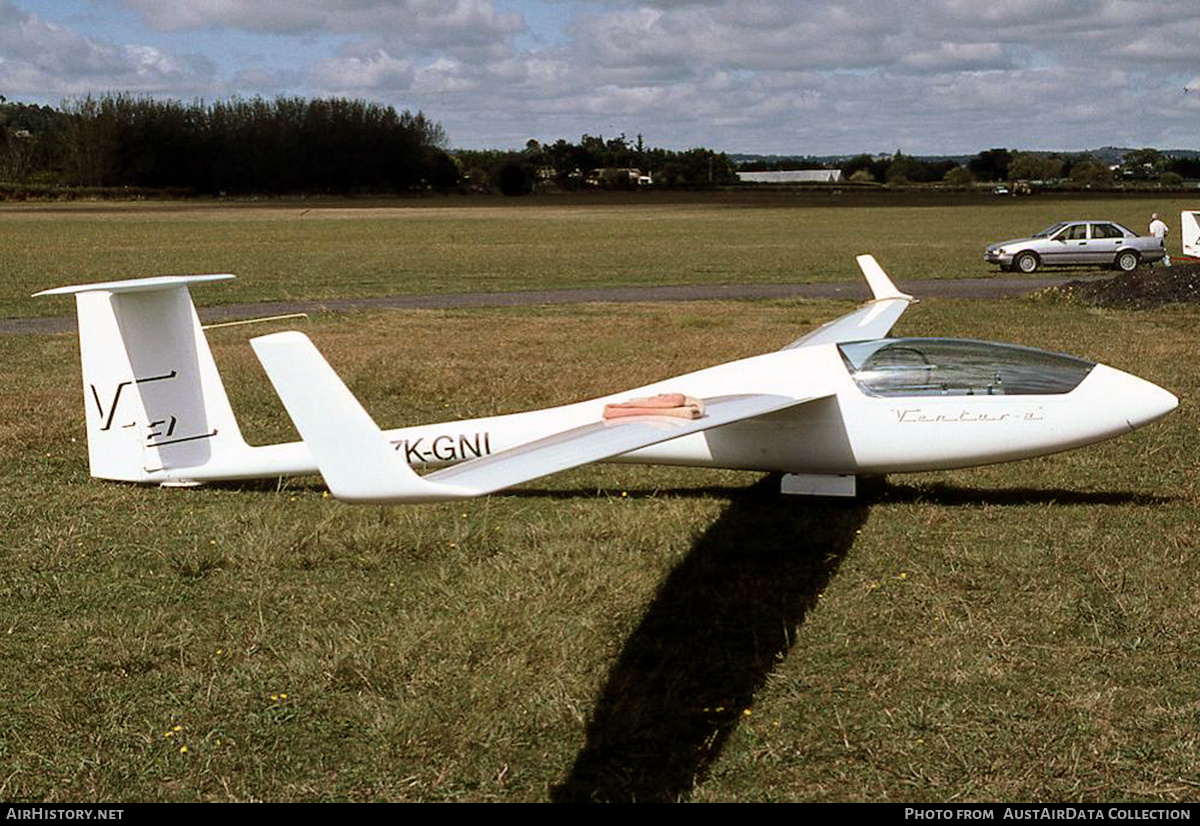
x: 841, y: 401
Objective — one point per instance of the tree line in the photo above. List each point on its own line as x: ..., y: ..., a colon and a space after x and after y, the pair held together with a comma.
x: 255, y: 146
x: 339, y: 146
x: 293, y: 145
x: 1001, y: 165
x: 594, y: 163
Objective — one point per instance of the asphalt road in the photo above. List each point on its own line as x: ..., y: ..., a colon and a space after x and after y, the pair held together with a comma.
x: 857, y: 290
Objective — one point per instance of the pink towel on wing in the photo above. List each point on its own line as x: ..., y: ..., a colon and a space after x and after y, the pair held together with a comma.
x: 664, y: 404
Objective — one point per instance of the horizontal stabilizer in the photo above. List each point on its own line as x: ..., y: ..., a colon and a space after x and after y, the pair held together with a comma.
x: 870, y: 321
x: 360, y: 465
x: 137, y: 285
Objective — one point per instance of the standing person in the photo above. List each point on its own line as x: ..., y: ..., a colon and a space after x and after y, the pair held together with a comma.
x: 1159, y: 229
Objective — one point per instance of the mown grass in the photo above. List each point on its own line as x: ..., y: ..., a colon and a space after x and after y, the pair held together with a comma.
x: 342, y: 249
x: 1025, y: 631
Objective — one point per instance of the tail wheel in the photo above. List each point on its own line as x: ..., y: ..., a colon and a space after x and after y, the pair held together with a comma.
x: 1127, y: 261
x: 1027, y: 262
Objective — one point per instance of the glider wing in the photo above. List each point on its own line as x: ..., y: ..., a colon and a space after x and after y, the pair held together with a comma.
x: 360, y: 465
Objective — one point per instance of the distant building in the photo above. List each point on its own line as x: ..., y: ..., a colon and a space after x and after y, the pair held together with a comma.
x: 795, y: 176
x: 617, y: 178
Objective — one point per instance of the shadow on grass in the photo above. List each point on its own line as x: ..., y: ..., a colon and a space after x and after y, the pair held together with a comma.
x: 873, y: 491
x: 717, y: 627
x: 955, y: 496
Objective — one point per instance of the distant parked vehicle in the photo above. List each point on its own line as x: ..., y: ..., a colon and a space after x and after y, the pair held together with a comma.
x: 1077, y: 244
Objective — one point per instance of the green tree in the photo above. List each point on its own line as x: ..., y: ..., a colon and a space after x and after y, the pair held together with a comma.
x: 857, y: 164
x: 960, y: 177
x: 1091, y: 172
x: 991, y: 165
x: 1144, y: 163
x: 1031, y: 166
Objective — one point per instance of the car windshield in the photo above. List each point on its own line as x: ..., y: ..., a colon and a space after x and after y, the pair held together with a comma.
x: 1050, y: 230
x: 959, y: 367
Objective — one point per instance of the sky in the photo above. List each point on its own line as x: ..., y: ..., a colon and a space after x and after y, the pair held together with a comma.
x: 926, y: 77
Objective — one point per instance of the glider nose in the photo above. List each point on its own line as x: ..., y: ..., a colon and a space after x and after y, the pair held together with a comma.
x: 1136, y: 401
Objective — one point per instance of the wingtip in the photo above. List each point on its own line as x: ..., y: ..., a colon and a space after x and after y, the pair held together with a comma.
x: 352, y: 454
x: 878, y: 280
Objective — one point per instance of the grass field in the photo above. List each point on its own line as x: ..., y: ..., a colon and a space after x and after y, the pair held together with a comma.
x: 327, y: 250
x: 1019, y: 632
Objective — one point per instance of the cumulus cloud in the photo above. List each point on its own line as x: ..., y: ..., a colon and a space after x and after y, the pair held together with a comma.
x: 45, y: 59
x: 741, y: 75
x: 378, y: 72
x: 427, y: 22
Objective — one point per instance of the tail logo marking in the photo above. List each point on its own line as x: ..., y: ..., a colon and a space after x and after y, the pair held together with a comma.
x: 182, y: 439
x: 108, y: 417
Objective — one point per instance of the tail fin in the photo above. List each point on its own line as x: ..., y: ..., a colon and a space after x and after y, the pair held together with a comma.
x: 1190, y: 229
x: 153, y: 397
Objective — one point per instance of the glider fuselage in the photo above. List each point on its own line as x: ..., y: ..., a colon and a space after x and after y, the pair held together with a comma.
x: 848, y: 432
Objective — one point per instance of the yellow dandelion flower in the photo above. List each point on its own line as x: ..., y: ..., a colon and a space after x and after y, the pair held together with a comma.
x: 183, y: 749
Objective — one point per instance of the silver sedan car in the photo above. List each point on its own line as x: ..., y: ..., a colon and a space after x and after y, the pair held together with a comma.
x: 1077, y: 243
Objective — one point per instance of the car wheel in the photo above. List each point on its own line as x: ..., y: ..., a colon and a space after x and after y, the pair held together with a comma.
x: 1127, y: 261
x: 1027, y: 262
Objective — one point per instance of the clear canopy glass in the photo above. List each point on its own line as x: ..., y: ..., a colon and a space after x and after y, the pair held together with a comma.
x: 959, y: 367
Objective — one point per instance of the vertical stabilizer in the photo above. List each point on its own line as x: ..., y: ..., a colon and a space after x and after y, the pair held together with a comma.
x: 154, y: 400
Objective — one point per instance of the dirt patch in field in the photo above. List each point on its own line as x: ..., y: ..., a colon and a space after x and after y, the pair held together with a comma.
x: 1139, y: 290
